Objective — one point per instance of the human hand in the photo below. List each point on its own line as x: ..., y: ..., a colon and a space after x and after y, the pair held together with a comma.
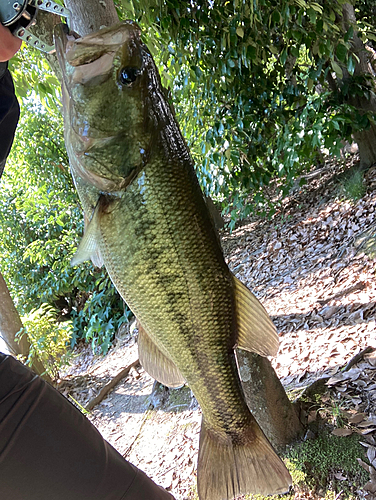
x: 9, y: 44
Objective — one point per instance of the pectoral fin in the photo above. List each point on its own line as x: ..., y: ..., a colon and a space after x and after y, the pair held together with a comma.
x: 96, y: 257
x: 256, y: 331
x: 88, y: 247
x: 155, y: 363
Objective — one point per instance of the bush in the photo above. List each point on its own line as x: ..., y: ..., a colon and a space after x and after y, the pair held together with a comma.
x: 48, y: 338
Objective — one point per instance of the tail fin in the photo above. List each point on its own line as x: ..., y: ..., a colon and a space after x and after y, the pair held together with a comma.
x: 242, y: 464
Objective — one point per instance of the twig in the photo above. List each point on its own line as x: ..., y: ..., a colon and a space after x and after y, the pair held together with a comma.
x: 83, y: 410
x: 315, y: 173
x: 106, y: 389
x: 346, y: 291
x: 357, y: 358
x: 128, y: 450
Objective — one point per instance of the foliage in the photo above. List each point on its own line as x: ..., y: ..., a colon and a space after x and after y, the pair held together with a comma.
x: 48, y: 338
x: 353, y: 187
x: 101, y: 315
x: 35, y: 80
x: 250, y: 87
x: 41, y: 223
x: 40, y: 216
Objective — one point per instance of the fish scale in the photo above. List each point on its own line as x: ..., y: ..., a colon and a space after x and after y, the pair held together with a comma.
x: 150, y: 226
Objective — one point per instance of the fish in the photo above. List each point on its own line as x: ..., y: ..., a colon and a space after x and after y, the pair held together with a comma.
x: 149, y: 224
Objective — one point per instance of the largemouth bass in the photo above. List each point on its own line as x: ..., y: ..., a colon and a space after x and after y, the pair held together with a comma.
x: 149, y: 224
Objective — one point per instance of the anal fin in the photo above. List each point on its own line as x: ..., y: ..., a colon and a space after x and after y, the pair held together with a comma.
x: 156, y: 363
x: 256, y: 331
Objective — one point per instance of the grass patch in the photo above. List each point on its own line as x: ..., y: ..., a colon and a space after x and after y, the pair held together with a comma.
x: 318, y: 465
x: 352, y: 187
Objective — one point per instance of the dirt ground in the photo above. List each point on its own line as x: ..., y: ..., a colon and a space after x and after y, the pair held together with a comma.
x: 317, y: 285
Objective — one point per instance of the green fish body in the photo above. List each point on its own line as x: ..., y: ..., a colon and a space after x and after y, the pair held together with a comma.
x: 150, y: 226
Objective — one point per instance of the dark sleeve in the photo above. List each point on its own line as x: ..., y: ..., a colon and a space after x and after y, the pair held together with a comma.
x: 9, y: 113
x: 50, y: 451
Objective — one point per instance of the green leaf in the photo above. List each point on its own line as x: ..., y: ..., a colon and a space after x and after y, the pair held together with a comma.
x: 276, y: 17
x: 350, y: 65
x: 341, y: 52
x: 295, y: 51
x: 349, y: 34
x: 337, y: 69
x: 316, y: 7
x: 240, y: 31
x: 283, y: 57
x: 312, y: 15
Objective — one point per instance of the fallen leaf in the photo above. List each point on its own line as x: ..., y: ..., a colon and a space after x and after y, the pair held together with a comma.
x: 372, y: 472
x: 363, y: 464
x: 370, y: 486
x: 367, y: 430
x: 359, y: 417
x: 342, y: 388
x: 312, y: 416
x: 342, y: 432
x: 340, y: 476
x: 371, y: 453
x: 371, y: 358
x: 367, y: 423
x: 327, y: 312
x: 336, y: 379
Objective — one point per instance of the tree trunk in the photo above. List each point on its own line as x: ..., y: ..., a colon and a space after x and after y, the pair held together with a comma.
x: 10, y: 325
x: 267, y: 399
x: 90, y: 15
x: 366, y: 139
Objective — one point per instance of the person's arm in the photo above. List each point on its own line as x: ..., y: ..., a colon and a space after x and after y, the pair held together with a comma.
x: 9, y: 109
x: 50, y: 451
x: 9, y: 44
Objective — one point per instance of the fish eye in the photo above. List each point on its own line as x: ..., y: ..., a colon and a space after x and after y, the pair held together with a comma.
x: 128, y: 76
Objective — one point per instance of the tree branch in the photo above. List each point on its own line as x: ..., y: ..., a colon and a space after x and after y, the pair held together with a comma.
x: 107, y: 388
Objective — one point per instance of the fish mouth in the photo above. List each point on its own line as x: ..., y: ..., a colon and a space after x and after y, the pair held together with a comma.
x: 79, y: 51
x: 64, y: 39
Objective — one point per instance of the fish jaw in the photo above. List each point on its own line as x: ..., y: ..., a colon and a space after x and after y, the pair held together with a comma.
x: 106, y: 134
